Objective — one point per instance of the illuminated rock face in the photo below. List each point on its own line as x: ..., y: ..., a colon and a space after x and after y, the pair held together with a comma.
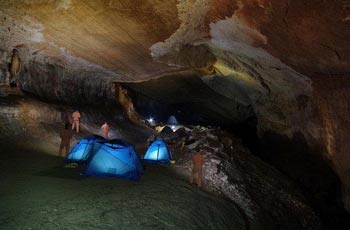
x: 115, y: 35
x: 270, y: 56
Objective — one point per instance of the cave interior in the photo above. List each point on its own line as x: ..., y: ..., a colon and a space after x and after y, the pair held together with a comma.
x: 260, y: 87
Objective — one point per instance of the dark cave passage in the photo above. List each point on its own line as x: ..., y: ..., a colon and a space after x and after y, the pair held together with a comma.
x: 187, y: 97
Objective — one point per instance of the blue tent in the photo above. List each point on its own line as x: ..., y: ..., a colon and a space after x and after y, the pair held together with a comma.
x: 172, y: 120
x: 115, y: 158
x: 117, y: 143
x: 158, y: 152
x: 84, y: 148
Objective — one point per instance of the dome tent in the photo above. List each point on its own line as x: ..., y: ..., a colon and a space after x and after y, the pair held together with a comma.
x: 115, y: 158
x: 112, y: 158
x: 172, y: 120
x: 158, y: 152
x: 84, y: 148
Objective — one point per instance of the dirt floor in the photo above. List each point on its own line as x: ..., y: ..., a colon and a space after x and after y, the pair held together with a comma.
x: 37, y: 192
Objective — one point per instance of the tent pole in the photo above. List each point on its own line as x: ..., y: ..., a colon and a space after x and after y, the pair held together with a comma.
x: 158, y: 152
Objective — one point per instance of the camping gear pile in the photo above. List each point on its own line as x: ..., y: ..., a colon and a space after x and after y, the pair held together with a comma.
x: 115, y: 158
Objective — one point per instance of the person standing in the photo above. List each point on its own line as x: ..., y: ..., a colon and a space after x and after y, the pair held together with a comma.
x: 76, y: 118
x: 65, y: 118
x: 198, y: 162
x: 15, y: 67
x: 105, y: 130
x: 66, y: 135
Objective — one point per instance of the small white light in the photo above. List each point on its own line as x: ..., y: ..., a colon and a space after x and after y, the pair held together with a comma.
x: 150, y: 120
x: 173, y: 127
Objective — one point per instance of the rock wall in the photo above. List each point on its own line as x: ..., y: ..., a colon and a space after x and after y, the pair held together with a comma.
x: 27, y: 121
x: 53, y: 81
x: 332, y: 100
x: 241, y: 70
x: 72, y: 82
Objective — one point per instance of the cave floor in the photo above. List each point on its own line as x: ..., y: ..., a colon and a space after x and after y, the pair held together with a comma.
x: 37, y: 192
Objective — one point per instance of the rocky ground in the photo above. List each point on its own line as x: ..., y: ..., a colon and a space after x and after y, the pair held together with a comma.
x: 37, y: 192
x: 257, y: 188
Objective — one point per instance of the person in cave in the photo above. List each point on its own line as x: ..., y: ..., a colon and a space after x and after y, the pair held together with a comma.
x: 76, y: 119
x: 15, y: 68
x: 66, y: 135
x: 65, y: 118
x: 105, y: 130
x: 198, y: 162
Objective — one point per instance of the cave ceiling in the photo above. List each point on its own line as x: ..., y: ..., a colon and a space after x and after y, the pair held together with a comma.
x: 147, y: 38
x: 257, y: 53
